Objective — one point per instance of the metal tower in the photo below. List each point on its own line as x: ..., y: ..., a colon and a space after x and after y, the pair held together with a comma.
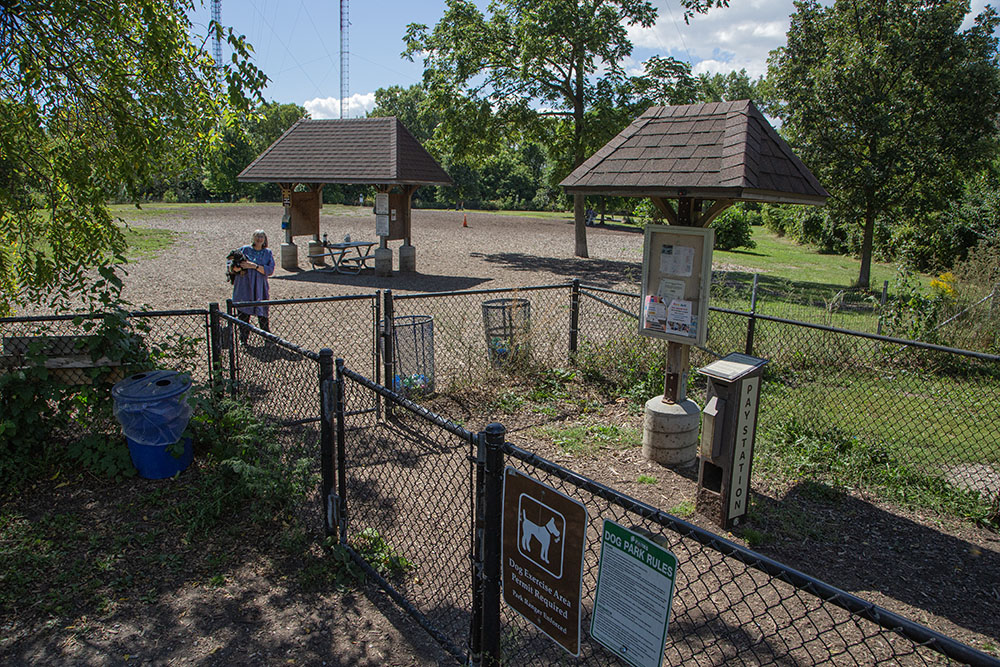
x: 345, y: 70
x: 217, y: 39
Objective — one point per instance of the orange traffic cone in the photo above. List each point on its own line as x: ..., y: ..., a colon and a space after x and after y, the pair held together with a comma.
x: 465, y: 220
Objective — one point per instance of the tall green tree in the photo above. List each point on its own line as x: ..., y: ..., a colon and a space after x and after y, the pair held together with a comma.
x: 549, y: 52
x: 241, y: 142
x: 888, y: 101
x: 99, y: 98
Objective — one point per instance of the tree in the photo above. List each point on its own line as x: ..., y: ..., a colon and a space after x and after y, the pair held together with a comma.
x: 889, y: 102
x: 242, y: 141
x: 550, y: 52
x: 98, y: 99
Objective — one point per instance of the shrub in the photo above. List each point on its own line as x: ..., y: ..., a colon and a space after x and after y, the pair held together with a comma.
x: 732, y: 228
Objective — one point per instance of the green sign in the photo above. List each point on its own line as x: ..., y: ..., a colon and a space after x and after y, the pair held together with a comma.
x: 635, y: 586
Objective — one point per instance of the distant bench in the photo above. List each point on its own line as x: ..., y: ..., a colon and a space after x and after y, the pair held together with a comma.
x: 67, y: 357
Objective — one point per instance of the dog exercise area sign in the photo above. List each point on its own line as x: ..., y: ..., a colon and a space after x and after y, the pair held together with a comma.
x: 542, y: 542
x: 635, y: 586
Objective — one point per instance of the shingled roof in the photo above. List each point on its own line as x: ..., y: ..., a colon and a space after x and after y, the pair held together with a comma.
x: 364, y: 151
x: 720, y: 150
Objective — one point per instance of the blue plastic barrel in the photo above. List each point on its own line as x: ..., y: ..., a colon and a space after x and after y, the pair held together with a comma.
x: 153, y: 410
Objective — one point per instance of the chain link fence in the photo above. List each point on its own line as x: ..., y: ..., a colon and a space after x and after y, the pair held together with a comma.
x: 414, y: 511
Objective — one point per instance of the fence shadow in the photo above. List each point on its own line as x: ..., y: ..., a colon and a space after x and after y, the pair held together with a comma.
x: 598, y: 272
x: 418, y: 282
x: 858, y: 547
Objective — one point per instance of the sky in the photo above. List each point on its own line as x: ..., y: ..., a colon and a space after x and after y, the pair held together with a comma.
x: 297, y: 43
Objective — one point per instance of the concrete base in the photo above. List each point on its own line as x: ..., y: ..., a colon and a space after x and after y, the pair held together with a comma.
x: 670, y: 432
x: 383, y: 262
x: 316, y: 248
x: 407, y: 259
x: 289, y: 257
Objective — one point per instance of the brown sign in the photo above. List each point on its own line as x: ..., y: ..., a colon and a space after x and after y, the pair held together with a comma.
x: 305, y: 213
x: 543, y: 537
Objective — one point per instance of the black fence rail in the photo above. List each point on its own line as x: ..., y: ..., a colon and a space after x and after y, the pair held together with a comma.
x: 348, y: 325
x: 418, y: 504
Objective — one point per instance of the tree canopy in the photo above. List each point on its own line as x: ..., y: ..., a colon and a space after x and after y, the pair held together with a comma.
x: 551, y: 52
x: 891, y: 104
x: 98, y: 99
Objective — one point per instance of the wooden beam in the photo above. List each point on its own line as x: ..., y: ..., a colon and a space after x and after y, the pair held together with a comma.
x: 663, y: 206
x: 718, y: 207
x: 685, y: 212
x: 676, y: 376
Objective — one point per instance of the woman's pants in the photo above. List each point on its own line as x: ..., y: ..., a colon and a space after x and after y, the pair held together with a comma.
x: 263, y: 323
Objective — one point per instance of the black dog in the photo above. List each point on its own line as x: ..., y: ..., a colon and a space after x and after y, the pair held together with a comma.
x: 233, y: 261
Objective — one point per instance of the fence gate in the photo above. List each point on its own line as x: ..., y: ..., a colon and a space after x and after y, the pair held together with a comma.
x: 403, y: 504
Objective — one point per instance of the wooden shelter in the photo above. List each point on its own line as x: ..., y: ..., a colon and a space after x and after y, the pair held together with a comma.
x: 720, y: 152
x: 353, y: 151
x: 704, y: 157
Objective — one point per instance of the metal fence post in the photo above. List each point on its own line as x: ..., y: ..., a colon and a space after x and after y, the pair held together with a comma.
x: 341, y: 509
x: 476, y: 620
x: 327, y: 408
x: 387, y: 326
x: 215, y: 345
x: 232, y: 349
x: 493, y: 440
x: 574, y: 319
x: 377, y: 356
x: 752, y: 322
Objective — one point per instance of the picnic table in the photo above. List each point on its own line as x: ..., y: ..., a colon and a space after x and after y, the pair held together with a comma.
x: 344, y: 260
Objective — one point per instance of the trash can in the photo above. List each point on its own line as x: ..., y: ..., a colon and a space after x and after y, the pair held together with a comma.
x: 153, y: 410
x: 507, y: 324
x: 413, y: 354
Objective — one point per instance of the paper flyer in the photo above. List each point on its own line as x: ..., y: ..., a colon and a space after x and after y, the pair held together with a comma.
x: 676, y: 260
x: 670, y: 289
x: 654, y: 314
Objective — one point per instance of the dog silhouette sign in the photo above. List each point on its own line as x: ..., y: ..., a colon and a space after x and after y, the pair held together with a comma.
x: 542, y: 542
x: 540, y: 532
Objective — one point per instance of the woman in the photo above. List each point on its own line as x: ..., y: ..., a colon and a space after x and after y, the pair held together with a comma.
x: 251, y: 282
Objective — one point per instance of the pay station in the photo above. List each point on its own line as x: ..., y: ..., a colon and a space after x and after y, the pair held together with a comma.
x: 729, y: 426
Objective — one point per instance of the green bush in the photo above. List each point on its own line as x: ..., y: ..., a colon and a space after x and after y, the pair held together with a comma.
x: 732, y: 228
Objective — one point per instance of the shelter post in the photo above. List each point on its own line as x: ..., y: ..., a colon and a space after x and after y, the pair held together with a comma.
x: 289, y: 251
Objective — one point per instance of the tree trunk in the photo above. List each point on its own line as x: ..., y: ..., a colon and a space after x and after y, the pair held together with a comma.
x: 865, y: 276
x: 579, y: 212
x: 579, y: 215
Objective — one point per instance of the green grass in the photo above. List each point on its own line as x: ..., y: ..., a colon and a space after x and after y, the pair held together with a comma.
x: 781, y: 259
x: 147, y: 242
x: 683, y: 509
x: 646, y: 479
x: 585, y: 440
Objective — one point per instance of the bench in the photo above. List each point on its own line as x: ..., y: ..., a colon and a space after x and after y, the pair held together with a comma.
x: 68, y: 358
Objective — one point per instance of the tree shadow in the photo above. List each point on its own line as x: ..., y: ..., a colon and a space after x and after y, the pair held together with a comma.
x: 859, y: 547
x: 417, y: 282
x: 598, y: 272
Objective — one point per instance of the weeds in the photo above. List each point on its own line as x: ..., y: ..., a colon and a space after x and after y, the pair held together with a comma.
x: 589, y: 439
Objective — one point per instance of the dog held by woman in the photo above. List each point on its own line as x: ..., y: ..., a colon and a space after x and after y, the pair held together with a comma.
x: 233, y: 268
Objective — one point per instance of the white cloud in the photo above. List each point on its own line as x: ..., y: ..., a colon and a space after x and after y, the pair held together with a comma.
x: 729, y: 38
x: 358, y: 105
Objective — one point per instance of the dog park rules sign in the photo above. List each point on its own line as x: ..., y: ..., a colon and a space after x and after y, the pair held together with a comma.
x: 542, y: 545
x: 635, y: 586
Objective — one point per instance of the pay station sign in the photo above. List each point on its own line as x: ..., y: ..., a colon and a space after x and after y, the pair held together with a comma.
x: 542, y: 542
x: 635, y: 586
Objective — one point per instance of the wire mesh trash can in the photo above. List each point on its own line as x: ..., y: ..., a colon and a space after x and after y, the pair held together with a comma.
x: 507, y: 323
x: 413, y: 354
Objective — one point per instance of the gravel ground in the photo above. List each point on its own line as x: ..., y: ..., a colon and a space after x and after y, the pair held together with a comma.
x: 493, y: 251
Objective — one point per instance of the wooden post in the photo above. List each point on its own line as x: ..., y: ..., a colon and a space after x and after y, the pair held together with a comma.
x: 678, y: 367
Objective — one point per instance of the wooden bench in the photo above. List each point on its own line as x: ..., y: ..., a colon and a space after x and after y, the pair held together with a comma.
x: 68, y: 358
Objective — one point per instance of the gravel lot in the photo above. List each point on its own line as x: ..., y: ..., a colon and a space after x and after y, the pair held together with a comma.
x: 493, y: 251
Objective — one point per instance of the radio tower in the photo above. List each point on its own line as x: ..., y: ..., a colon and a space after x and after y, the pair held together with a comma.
x: 345, y: 70
x: 216, y: 40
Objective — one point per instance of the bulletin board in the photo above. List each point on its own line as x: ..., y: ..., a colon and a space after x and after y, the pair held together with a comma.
x: 676, y: 280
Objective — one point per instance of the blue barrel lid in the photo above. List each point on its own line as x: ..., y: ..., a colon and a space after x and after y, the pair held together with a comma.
x: 151, y: 386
